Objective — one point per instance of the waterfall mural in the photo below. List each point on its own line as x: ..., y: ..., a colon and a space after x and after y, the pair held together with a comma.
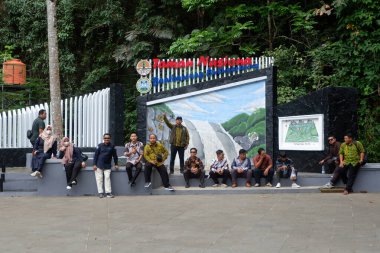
x: 228, y: 117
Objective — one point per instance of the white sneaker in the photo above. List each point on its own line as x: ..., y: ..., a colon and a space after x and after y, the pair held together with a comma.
x: 169, y: 188
x: 68, y: 187
x: 147, y: 184
x: 215, y: 185
x: 257, y: 185
x: 269, y: 185
x: 294, y: 185
x: 327, y: 186
x: 224, y: 185
x: 278, y: 185
x: 39, y: 174
x: 33, y: 174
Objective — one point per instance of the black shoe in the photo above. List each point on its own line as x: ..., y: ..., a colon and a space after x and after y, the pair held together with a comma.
x: 202, y: 186
x: 133, y: 184
x: 187, y: 185
x: 129, y: 182
x: 171, y: 172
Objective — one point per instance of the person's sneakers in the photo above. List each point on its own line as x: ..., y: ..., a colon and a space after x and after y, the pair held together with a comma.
x: 147, y: 184
x: 257, y: 185
x: 68, y: 187
x: 129, y: 182
x: 345, y: 192
x: 215, y: 185
x: 294, y: 185
x: 269, y: 185
x: 202, y: 185
x: 224, y: 185
x: 109, y: 195
x: 101, y: 195
x: 34, y: 174
x: 234, y: 185
x: 187, y: 185
x: 133, y: 184
x: 171, y: 172
x: 327, y: 186
x: 248, y: 184
x: 39, y: 174
x: 169, y: 188
x: 278, y: 185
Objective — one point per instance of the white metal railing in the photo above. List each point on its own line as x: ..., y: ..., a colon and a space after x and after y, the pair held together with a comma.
x: 85, y: 119
x: 197, y: 67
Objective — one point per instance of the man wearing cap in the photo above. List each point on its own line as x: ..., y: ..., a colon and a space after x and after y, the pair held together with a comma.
x: 285, y: 169
x: 179, y: 140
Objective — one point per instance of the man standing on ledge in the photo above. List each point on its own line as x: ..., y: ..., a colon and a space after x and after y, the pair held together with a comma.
x: 179, y: 140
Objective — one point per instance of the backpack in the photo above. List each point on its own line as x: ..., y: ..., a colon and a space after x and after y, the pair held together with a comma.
x: 29, y: 134
x: 365, y: 154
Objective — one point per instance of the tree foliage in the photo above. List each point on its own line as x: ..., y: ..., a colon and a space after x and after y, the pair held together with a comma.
x: 315, y: 43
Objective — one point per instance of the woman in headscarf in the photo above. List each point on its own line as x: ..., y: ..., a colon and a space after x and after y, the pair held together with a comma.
x: 72, y: 160
x: 44, y: 148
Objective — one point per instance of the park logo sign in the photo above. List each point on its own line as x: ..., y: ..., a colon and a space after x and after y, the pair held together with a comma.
x: 144, y: 85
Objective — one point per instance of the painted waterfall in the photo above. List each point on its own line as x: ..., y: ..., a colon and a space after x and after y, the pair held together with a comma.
x: 229, y: 119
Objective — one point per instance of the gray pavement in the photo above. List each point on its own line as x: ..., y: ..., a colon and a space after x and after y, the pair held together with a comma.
x: 208, y: 223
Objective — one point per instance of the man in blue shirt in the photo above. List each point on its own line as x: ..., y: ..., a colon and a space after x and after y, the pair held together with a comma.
x: 102, y: 165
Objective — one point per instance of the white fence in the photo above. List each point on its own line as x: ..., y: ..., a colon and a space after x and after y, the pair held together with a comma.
x: 198, y: 67
x: 85, y: 119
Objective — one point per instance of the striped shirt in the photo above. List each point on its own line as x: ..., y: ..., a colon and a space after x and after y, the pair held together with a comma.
x: 223, y: 164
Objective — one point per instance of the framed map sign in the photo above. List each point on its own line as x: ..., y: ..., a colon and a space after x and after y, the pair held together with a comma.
x: 304, y: 132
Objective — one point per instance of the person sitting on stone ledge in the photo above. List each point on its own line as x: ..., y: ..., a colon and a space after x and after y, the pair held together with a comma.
x: 155, y: 155
x: 241, y: 167
x: 332, y: 158
x: 285, y: 169
x: 72, y: 161
x: 263, y: 168
x: 219, y: 168
x: 194, y: 169
x: 351, y: 156
x: 45, y: 147
x: 134, y: 151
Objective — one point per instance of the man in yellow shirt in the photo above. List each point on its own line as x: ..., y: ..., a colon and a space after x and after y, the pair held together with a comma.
x: 155, y: 155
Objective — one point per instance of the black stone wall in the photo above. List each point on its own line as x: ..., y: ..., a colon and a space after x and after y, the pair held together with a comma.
x: 270, y: 99
x: 116, y: 114
x: 339, y: 106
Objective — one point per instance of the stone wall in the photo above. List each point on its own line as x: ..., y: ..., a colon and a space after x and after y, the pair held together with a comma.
x: 339, y: 107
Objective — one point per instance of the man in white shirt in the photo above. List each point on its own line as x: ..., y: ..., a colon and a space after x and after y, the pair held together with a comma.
x: 219, y: 169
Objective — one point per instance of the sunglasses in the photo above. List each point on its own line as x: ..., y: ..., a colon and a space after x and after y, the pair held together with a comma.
x: 330, y: 139
x: 106, y: 138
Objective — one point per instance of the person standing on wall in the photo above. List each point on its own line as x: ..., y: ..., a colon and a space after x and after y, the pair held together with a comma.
x: 179, y: 141
x: 38, y: 126
x: 102, y: 165
x: 134, y: 151
x: 332, y: 158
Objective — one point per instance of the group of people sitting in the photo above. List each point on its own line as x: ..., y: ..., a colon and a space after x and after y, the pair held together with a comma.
x: 343, y: 160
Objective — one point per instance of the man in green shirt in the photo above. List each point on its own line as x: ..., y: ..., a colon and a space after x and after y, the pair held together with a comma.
x: 155, y: 155
x: 179, y: 140
x: 38, y: 126
x: 351, y: 155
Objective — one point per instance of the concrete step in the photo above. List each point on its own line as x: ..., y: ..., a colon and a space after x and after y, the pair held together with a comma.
x: 180, y: 190
x: 18, y: 193
x: 21, y: 182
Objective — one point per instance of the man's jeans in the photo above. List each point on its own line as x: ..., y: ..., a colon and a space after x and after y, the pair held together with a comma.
x: 181, y: 154
x: 348, y: 174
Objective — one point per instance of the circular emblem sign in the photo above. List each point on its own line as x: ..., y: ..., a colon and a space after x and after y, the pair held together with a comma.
x: 143, y: 67
x: 144, y: 85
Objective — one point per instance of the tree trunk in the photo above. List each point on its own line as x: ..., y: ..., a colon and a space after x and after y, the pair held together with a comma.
x: 270, y: 27
x: 55, y: 86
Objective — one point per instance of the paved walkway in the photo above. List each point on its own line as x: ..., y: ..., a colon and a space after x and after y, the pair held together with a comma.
x: 208, y: 223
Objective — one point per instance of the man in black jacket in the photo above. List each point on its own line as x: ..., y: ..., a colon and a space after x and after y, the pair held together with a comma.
x: 102, y: 165
x: 179, y: 140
